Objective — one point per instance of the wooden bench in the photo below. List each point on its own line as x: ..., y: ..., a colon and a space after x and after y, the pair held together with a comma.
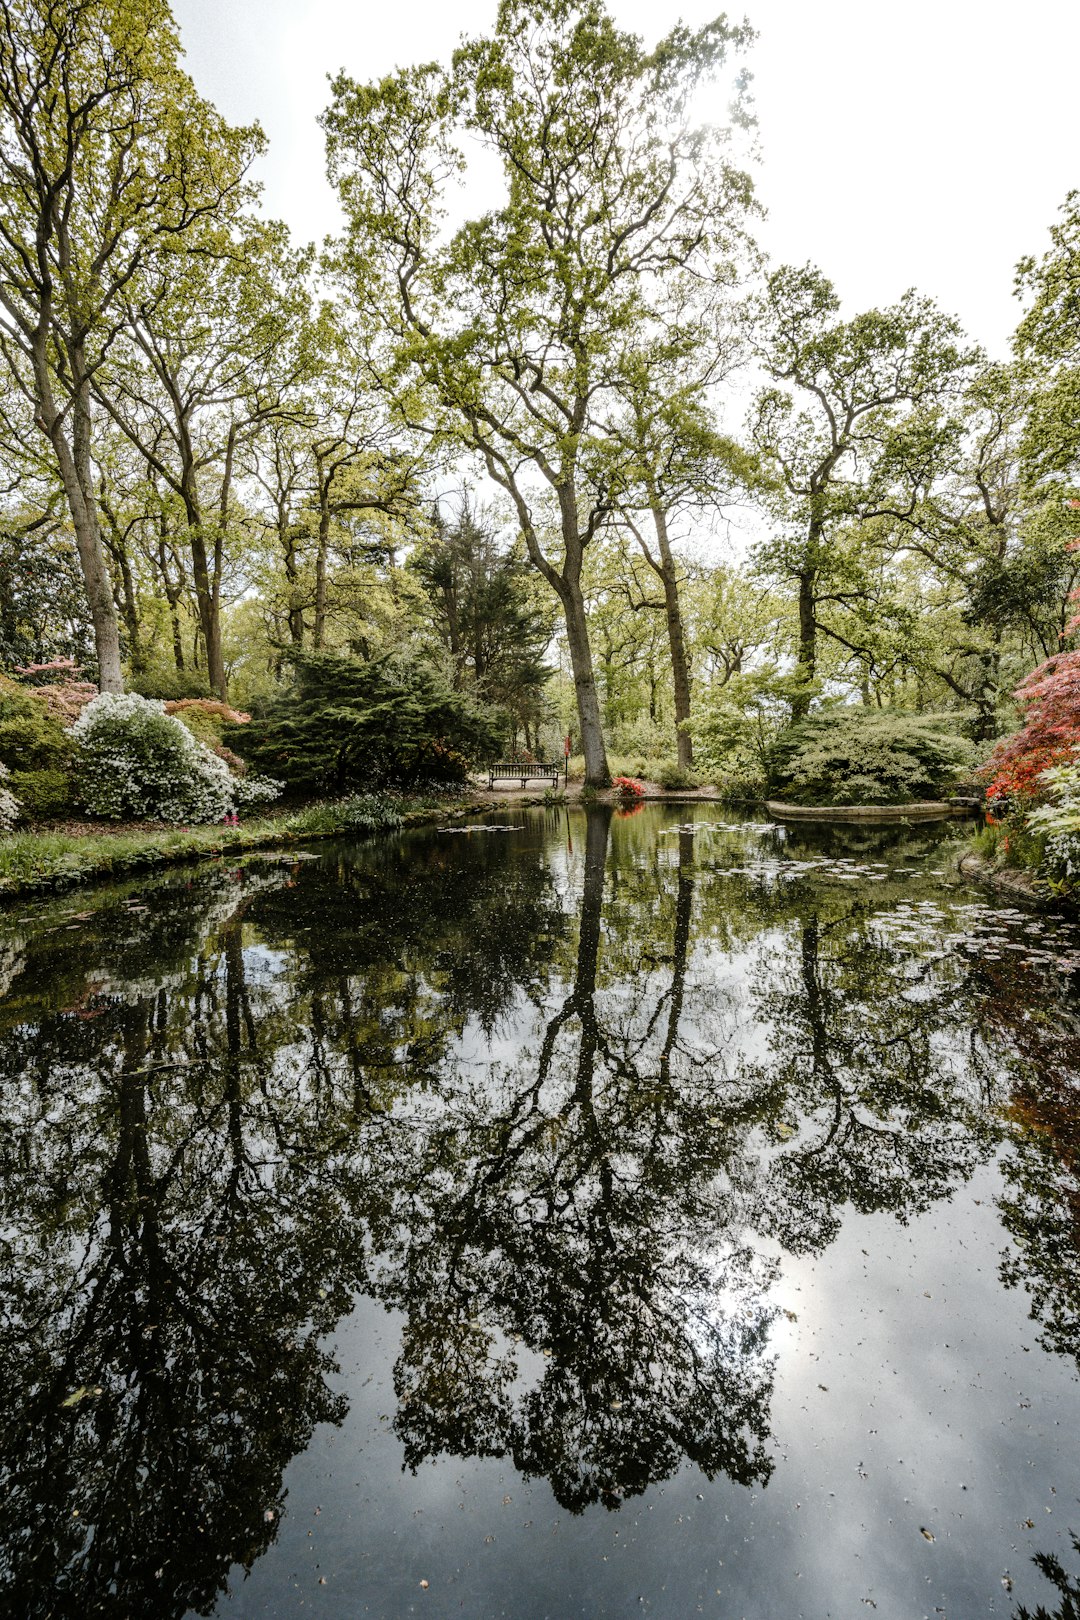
x: 508, y: 769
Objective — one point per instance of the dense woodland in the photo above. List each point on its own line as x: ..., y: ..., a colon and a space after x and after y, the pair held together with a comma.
x: 496, y: 462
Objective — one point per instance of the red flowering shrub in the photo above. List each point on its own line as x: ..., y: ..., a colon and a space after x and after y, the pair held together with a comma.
x: 1050, y: 734
x: 628, y: 787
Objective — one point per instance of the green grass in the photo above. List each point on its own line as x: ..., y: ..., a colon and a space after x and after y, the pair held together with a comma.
x: 44, y: 860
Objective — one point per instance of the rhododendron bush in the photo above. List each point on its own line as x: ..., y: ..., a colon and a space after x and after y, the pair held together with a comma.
x: 132, y: 760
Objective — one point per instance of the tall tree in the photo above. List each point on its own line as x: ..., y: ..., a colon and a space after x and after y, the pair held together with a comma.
x: 828, y: 428
x: 107, y: 158
x: 516, y: 323
x: 671, y: 459
x: 485, y: 615
x: 212, y: 355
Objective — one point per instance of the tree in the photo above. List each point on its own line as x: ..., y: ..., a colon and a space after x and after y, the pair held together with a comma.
x: 107, y: 158
x: 671, y: 458
x: 995, y: 570
x: 515, y: 325
x: 485, y: 615
x: 831, y: 435
x: 1048, y: 338
x: 348, y: 724
x: 213, y: 352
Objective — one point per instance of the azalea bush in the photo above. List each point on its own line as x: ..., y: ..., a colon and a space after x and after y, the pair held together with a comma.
x: 870, y: 756
x: 9, y: 804
x: 629, y: 788
x: 1033, y: 777
x: 133, y: 761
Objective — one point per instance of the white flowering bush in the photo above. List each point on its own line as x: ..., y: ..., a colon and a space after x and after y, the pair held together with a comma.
x: 9, y: 804
x: 251, y: 790
x: 132, y: 760
x: 1058, y: 823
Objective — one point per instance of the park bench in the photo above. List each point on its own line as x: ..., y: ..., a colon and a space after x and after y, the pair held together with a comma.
x: 525, y: 771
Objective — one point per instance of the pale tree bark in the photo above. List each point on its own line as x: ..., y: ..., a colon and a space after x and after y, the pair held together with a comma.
x: 70, y: 435
x: 663, y: 565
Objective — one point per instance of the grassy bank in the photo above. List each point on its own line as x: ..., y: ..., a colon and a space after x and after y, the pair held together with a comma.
x: 38, y: 861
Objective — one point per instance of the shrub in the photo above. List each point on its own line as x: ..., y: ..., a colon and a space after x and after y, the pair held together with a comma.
x: 348, y: 725
x: 365, y: 813
x: 171, y: 685
x: 1049, y: 700
x: 31, y: 739
x: 9, y: 804
x: 60, y: 688
x: 206, y: 718
x: 861, y: 756
x: 1056, y: 825
x: 42, y: 795
x: 627, y: 787
x: 672, y: 776
x: 133, y: 760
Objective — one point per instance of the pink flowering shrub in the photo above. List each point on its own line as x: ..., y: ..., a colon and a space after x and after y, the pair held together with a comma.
x: 65, y: 696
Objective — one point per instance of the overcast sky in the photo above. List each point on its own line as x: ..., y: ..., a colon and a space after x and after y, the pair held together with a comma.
x: 927, y: 144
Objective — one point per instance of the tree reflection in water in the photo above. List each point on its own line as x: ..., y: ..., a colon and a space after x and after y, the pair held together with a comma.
x: 530, y: 1105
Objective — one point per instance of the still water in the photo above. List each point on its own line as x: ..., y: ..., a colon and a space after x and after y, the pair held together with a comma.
x: 588, y: 1215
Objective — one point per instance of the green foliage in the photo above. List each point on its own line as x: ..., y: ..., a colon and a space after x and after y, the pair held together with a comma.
x: 31, y: 739
x: 739, y: 728
x: 43, y: 795
x: 482, y: 608
x: 672, y: 776
x: 867, y: 756
x: 364, y: 813
x: 171, y: 685
x: 349, y: 725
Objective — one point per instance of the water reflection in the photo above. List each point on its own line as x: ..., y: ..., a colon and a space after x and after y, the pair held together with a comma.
x: 562, y: 1103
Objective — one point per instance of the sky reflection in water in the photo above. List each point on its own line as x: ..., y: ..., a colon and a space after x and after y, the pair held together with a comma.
x: 593, y: 1216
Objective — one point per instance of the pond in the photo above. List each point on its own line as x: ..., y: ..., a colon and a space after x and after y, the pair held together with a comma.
x: 587, y: 1215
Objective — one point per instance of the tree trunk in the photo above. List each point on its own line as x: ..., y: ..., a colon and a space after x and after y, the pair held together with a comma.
x: 292, y: 582
x: 172, y: 596
x: 568, y: 585
x: 131, y: 612
x: 680, y: 668
x: 319, y: 632
x: 205, y: 596
x: 597, y: 773
x: 807, y: 665
x: 73, y: 461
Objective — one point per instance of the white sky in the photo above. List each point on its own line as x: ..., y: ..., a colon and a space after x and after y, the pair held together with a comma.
x: 927, y: 144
